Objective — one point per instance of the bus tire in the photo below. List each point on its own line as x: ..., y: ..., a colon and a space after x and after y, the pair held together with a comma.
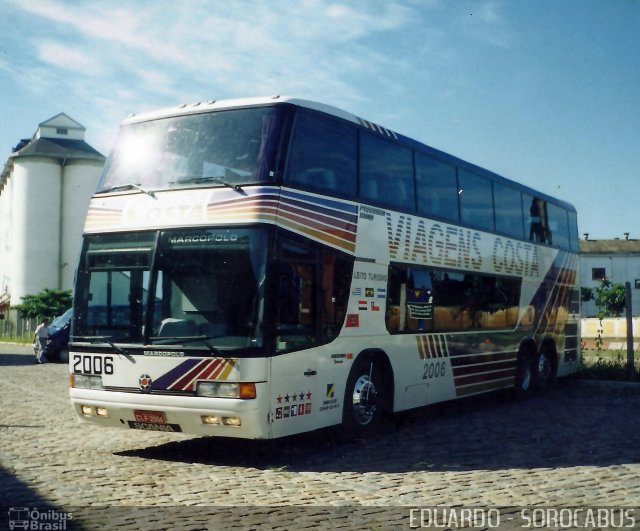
x: 367, y: 397
x: 524, y: 374
x: 544, y: 369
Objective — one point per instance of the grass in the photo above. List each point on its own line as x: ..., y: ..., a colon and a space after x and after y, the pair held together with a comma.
x: 608, y: 365
x: 25, y: 340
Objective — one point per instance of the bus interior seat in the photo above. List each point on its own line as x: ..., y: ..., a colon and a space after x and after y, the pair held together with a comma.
x: 212, y: 329
x: 370, y: 188
x: 395, y: 192
x: 318, y: 178
x: 382, y: 187
x: 171, y: 327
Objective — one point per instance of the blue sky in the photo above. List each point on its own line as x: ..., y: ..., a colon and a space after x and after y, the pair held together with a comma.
x: 545, y: 92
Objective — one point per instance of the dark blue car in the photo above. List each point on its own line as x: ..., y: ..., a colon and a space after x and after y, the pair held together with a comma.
x: 57, y: 348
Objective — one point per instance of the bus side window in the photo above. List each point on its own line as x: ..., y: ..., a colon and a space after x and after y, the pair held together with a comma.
x: 558, y: 226
x: 386, y: 173
x: 437, y: 188
x: 312, y: 289
x: 336, y: 279
x: 409, y: 300
x: 573, y: 232
x: 322, y: 155
x: 476, y: 200
x: 508, y: 206
x: 396, y: 288
x: 289, y: 294
x: 537, y: 220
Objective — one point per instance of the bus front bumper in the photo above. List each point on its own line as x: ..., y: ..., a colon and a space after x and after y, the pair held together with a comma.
x: 222, y: 417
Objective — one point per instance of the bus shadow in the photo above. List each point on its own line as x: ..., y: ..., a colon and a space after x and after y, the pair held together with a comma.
x: 576, y: 425
x: 7, y: 360
x: 16, y: 493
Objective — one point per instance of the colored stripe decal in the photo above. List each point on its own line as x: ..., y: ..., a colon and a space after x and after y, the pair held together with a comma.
x: 184, y: 376
x: 165, y: 380
x: 323, y: 219
x: 432, y: 346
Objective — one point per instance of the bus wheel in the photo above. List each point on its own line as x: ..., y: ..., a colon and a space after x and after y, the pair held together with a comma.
x: 543, y: 371
x: 524, y: 376
x: 365, y: 399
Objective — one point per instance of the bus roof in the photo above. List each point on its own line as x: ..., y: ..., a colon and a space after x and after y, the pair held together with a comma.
x: 217, y: 105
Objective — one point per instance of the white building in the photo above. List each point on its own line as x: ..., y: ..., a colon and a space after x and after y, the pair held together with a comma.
x: 617, y: 260
x: 45, y: 187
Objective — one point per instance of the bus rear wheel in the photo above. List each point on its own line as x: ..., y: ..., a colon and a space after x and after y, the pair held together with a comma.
x: 524, y: 376
x: 366, y: 398
x: 543, y: 371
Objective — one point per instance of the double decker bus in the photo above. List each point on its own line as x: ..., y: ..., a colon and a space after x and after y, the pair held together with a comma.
x: 263, y: 267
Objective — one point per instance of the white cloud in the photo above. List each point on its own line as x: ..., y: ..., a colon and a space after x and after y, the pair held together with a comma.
x: 126, y: 57
x: 67, y: 57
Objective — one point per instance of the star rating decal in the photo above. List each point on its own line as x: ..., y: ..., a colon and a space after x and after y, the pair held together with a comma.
x: 300, y: 404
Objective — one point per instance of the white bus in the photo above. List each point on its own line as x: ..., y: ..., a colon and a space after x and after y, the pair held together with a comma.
x: 264, y: 267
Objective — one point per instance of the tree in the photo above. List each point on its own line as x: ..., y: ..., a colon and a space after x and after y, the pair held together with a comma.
x: 48, y: 303
x: 610, y: 299
x: 586, y: 294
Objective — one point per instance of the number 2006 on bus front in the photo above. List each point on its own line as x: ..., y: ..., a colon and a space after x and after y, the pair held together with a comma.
x: 98, y: 365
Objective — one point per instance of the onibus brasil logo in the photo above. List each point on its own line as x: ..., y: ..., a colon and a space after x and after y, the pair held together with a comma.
x: 38, y: 519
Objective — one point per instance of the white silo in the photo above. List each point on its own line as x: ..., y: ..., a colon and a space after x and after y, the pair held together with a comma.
x: 36, y: 226
x: 79, y: 179
x: 45, y: 188
x: 6, y: 210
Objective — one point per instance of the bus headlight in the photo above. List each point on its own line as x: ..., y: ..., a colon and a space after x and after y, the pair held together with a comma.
x: 226, y: 390
x: 87, y: 381
x: 215, y: 420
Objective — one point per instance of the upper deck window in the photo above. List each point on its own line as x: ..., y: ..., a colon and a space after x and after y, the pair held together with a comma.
x: 234, y: 146
x: 573, y: 232
x: 476, y: 200
x: 322, y: 155
x: 508, y: 203
x: 386, y: 173
x: 558, y: 226
x: 437, y: 188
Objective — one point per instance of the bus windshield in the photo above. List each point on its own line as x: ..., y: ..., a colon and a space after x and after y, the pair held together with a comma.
x: 202, y: 287
x: 232, y: 147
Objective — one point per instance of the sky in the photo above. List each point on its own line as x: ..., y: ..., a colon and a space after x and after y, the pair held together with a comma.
x: 544, y: 92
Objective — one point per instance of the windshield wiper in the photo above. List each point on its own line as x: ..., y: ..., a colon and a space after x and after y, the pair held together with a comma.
x: 160, y: 340
x: 105, y: 339
x: 130, y: 186
x: 215, y: 178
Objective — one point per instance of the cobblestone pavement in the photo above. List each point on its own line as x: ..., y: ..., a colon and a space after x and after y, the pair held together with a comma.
x: 577, y: 446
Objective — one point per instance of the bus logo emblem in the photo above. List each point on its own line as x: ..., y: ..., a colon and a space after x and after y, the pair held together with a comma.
x: 145, y: 383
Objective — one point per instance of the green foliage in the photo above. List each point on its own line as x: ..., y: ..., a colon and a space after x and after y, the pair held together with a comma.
x: 610, y: 299
x: 599, y: 339
x: 586, y: 294
x: 608, y: 369
x: 48, y: 303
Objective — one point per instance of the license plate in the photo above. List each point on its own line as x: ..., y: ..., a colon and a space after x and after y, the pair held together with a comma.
x: 171, y: 428
x: 150, y: 417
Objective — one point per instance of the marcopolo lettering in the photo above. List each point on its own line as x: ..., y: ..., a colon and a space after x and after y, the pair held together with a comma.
x: 202, y: 238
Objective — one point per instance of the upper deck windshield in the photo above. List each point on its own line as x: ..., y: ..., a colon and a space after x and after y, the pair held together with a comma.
x: 232, y: 147
x: 192, y: 288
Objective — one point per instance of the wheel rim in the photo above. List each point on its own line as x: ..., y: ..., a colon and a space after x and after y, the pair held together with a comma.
x: 526, y: 379
x: 364, y: 398
x: 544, y: 369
